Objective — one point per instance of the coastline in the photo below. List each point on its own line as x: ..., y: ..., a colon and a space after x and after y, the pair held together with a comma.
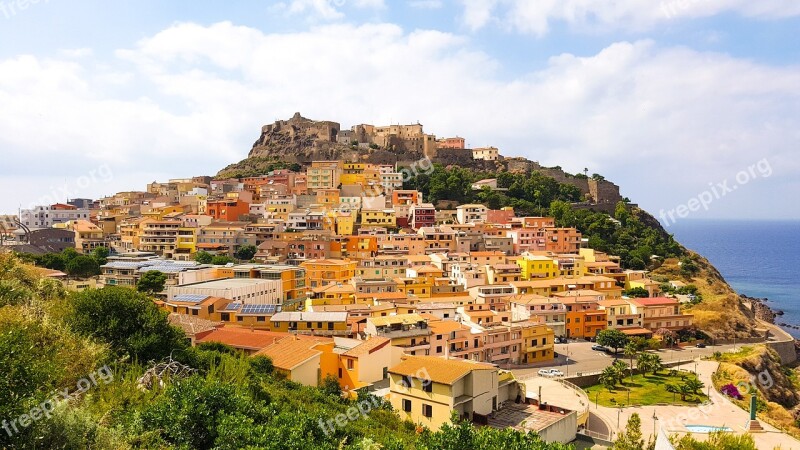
x: 766, y: 314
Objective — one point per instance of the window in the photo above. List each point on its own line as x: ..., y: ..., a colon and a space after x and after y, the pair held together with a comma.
x: 239, y: 319
x: 350, y: 364
x: 261, y: 319
x: 438, y: 349
x: 405, y: 382
x: 406, y: 405
x: 427, y: 410
x: 427, y: 385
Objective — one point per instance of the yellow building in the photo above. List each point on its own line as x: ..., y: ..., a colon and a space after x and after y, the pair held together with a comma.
x: 320, y: 272
x: 535, y: 267
x: 316, y: 323
x: 345, y: 223
x: 427, y: 389
x: 379, y: 217
x: 186, y: 246
x: 353, y: 173
x: 537, y: 342
x: 332, y: 294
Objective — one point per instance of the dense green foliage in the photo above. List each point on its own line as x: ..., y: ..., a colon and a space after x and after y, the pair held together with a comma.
x: 529, y: 194
x: 203, y: 257
x: 246, y: 252
x: 151, y: 282
x: 534, y: 194
x: 229, y: 401
x: 625, y: 235
x: 612, y: 338
x: 716, y: 441
x: 71, y: 262
x: 128, y: 321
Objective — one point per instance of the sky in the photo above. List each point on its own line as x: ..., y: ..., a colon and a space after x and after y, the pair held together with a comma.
x: 691, y: 106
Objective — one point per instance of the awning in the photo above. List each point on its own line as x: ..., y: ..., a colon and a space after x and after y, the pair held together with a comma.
x: 635, y: 331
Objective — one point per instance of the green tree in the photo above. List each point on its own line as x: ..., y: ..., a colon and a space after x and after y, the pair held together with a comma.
x: 127, y: 320
x: 694, y: 385
x: 54, y: 261
x: 246, y: 252
x: 637, y: 292
x: 688, y: 267
x: 203, y: 257
x: 717, y: 440
x: 151, y: 282
x: 190, y: 412
x: 82, y: 267
x: 672, y: 389
x: 630, y: 352
x: 631, y: 439
x: 221, y: 260
x: 612, y: 338
x: 609, y: 377
x: 69, y: 253
x: 100, y: 254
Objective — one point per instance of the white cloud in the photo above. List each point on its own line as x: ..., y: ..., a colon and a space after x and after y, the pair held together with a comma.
x: 662, y: 122
x: 426, y: 4
x: 536, y: 17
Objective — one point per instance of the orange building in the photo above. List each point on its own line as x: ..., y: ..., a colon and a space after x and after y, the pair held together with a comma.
x: 228, y: 210
x: 585, y: 323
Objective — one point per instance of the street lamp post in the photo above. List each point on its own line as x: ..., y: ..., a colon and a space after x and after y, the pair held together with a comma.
x: 655, y: 419
x: 618, y: 411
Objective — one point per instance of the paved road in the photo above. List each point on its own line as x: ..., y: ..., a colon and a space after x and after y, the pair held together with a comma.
x: 582, y: 359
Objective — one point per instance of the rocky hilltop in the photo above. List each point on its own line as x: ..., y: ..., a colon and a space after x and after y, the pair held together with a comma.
x: 302, y: 140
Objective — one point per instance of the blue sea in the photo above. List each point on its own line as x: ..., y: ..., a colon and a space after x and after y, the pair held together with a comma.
x: 757, y: 258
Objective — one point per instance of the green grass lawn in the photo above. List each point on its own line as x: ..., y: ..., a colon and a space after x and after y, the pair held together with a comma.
x: 644, y: 390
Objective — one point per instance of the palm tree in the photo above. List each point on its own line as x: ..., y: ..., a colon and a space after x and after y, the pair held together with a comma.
x: 609, y: 377
x: 694, y: 385
x: 684, y: 390
x: 619, y: 367
x: 630, y: 352
x: 673, y: 389
x: 655, y: 364
x: 644, y: 362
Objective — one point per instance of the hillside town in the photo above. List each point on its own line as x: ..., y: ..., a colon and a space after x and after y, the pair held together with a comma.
x: 349, y: 275
x: 336, y: 272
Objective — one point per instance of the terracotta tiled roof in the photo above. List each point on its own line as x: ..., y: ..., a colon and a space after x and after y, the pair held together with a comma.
x: 243, y: 338
x: 439, y: 370
x: 290, y: 352
x: 369, y: 346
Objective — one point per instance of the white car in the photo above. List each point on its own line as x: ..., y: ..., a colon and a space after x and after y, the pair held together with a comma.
x: 551, y: 373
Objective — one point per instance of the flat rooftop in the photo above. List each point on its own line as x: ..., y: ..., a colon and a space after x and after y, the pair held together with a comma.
x: 228, y: 283
x: 524, y: 418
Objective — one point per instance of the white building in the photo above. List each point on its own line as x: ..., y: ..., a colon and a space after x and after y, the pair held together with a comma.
x: 472, y: 213
x: 47, y: 216
x: 250, y: 291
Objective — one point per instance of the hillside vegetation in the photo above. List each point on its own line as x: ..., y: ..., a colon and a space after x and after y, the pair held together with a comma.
x: 71, y: 380
x: 757, y: 370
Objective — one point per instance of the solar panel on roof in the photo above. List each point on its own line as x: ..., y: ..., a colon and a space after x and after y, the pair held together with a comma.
x: 258, y: 309
x: 195, y: 298
x: 233, y: 306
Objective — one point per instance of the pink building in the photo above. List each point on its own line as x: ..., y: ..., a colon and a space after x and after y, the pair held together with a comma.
x: 453, y: 142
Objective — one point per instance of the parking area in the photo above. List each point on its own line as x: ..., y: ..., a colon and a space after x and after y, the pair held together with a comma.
x: 577, y: 357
